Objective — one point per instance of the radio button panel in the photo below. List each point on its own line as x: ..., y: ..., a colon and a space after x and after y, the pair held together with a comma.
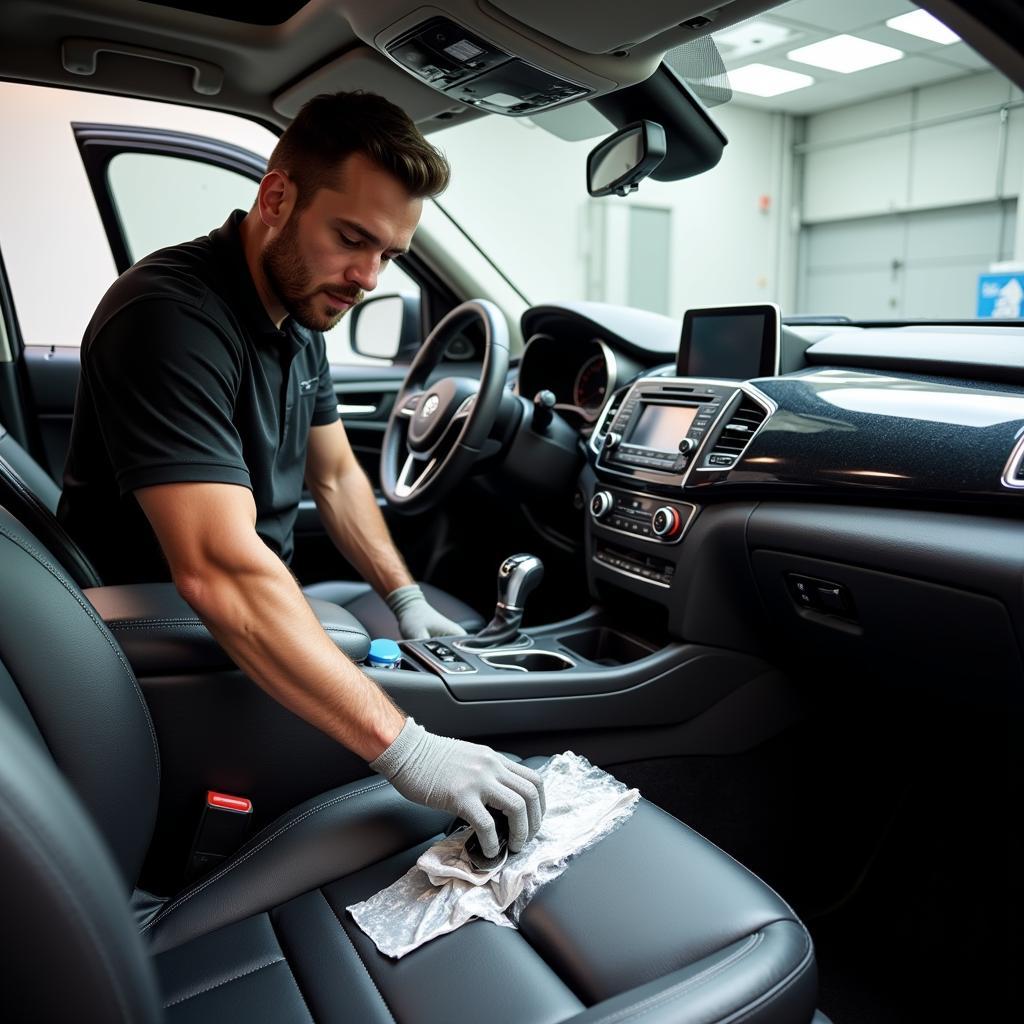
x: 669, y: 462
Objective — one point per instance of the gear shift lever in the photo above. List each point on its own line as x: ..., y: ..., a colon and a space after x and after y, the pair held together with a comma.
x: 518, y: 576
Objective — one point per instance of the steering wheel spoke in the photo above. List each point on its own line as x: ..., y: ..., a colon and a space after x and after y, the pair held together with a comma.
x: 409, y: 404
x: 414, y: 473
x: 465, y: 409
x: 438, y: 425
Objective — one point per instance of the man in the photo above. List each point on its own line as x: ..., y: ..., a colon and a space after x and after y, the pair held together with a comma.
x: 205, y: 392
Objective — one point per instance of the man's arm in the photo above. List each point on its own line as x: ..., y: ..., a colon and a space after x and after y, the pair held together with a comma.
x: 348, y: 508
x: 252, y: 605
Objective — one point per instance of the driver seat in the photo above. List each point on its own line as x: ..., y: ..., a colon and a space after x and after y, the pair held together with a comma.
x: 653, y: 924
x: 31, y: 496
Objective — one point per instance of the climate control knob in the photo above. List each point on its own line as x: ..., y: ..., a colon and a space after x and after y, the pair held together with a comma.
x: 666, y: 522
x: 601, y: 504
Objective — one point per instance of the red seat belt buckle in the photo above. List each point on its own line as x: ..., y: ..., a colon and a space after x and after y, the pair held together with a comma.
x: 222, y: 829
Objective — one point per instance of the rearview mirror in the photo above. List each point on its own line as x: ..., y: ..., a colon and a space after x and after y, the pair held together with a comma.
x: 624, y: 159
x: 386, y: 326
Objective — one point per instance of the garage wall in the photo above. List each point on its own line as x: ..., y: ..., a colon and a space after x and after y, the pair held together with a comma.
x: 895, y: 153
x: 723, y: 245
x: 905, y: 201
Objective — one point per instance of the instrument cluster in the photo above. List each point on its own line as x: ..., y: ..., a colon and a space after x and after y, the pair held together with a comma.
x: 580, y: 372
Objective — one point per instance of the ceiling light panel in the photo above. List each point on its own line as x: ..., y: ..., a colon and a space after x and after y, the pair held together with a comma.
x: 845, y: 54
x: 924, y: 26
x: 752, y: 37
x: 764, y: 80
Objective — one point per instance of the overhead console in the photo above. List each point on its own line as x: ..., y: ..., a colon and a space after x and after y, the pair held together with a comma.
x: 476, y: 72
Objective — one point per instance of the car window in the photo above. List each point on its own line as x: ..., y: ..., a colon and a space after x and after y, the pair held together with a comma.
x: 193, y: 197
x: 57, y: 255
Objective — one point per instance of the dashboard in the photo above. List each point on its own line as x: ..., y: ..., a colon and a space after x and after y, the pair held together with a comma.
x: 868, y: 446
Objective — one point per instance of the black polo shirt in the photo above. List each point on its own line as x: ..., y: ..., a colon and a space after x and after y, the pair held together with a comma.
x: 186, y: 378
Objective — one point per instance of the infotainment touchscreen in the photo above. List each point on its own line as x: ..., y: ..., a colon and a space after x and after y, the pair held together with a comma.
x: 661, y: 427
x: 730, y: 342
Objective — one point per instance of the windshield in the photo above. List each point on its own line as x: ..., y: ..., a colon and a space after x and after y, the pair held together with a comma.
x: 872, y: 171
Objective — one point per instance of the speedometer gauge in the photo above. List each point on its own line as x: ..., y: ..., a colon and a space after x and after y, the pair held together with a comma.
x: 591, y: 385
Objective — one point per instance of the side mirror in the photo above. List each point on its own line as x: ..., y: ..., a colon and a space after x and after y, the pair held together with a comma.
x: 386, y: 326
x: 624, y: 159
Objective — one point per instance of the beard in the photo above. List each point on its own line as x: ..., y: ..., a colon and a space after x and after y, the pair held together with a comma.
x: 290, y: 280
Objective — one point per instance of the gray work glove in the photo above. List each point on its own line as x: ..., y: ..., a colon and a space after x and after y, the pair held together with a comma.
x: 417, y: 620
x: 464, y: 779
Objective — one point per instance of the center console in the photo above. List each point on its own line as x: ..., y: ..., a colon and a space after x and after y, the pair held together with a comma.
x: 654, y: 436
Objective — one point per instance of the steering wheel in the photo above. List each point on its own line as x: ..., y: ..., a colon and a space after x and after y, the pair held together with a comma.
x: 435, y: 432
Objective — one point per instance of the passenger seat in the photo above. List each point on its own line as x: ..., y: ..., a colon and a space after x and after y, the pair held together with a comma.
x: 654, y: 924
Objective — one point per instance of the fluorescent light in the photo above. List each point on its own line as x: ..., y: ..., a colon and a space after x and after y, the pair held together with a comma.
x: 764, y: 80
x: 925, y: 26
x: 845, y: 54
x: 750, y: 37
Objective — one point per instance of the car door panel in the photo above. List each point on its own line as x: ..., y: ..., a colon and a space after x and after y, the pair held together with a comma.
x: 52, y: 375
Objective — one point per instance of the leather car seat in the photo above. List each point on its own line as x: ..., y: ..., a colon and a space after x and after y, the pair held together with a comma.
x: 28, y: 492
x: 654, y: 924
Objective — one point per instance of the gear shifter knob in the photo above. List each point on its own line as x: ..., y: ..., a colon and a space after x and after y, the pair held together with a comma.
x: 518, y: 577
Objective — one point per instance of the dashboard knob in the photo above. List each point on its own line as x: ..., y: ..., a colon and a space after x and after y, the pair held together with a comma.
x: 601, y: 504
x: 611, y: 440
x: 687, y: 445
x: 666, y: 522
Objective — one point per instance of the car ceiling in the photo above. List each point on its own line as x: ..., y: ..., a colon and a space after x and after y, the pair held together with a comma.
x: 269, y: 69
x: 267, y: 59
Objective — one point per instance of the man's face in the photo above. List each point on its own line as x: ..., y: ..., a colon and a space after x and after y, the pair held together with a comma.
x: 330, y: 253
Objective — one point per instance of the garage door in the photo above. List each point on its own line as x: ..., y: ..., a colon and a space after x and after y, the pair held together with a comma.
x: 908, y: 265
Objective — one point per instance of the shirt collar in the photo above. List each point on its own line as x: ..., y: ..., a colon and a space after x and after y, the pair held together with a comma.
x: 245, y: 299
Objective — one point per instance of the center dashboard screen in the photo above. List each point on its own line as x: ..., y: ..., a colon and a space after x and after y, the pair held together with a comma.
x: 730, y: 342
x: 662, y: 427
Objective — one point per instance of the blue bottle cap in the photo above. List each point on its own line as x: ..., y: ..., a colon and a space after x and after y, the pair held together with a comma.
x: 384, y: 653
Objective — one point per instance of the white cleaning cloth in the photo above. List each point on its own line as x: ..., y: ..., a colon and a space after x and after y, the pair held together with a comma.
x: 444, y: 891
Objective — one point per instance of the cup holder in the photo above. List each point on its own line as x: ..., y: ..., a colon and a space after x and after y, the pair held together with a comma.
x: 528, y: 661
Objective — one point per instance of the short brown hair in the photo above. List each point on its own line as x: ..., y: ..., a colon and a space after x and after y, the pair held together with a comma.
x: 330, y: 128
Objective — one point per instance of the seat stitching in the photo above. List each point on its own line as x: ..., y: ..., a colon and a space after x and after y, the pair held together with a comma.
x: 128, y: 624
x: 225, y: 981
x: 359, y: 956
x: 38, y: 509
x: 104, y: 632
x: 291, y: 969
x: 725, y: 853
x: 249, y: 853
x: 681, y: 988
x: 780, y: 986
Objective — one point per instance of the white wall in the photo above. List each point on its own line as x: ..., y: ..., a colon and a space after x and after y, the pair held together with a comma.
x: 527, y: 204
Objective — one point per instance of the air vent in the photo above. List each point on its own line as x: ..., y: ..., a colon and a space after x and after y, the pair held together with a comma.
x: 1013, y: 474
x: 613, y: 410
x: 737, y: 433
x: 604, y: 423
